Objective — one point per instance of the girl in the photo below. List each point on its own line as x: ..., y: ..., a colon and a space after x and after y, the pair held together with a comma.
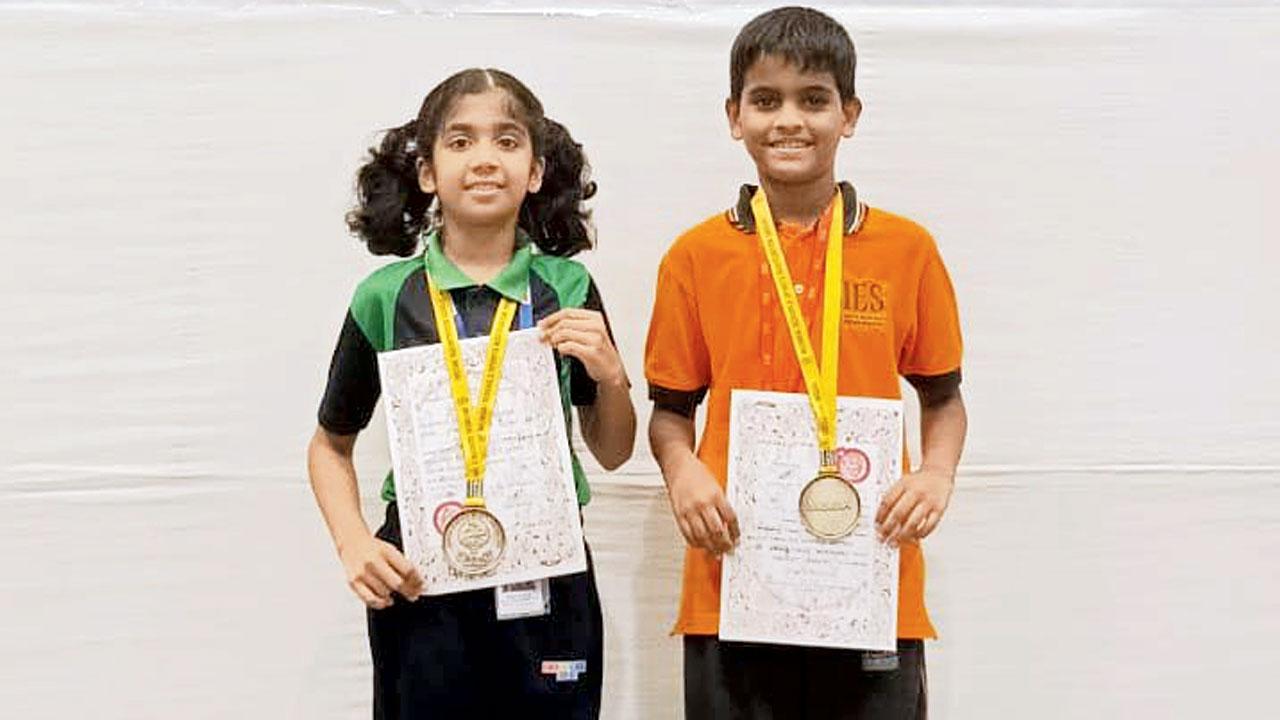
x: 495, y: 190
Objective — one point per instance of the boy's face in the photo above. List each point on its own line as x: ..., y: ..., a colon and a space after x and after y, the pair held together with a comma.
x: 482, y: 163
x: 791, y: 121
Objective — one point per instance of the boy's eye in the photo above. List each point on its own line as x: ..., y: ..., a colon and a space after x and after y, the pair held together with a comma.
x: 816, y: 101
x: 765, y: 102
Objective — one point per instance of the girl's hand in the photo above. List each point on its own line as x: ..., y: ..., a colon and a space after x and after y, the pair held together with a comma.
x: 581, y: 334
x: 375, y: 568
x: 913, y: 507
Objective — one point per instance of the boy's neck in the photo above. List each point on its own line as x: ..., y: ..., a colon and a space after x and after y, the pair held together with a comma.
x: 479, y: 251
x: 799, y: 203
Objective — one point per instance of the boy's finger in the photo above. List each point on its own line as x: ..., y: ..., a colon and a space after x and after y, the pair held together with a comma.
x: 912, y: 525
x: 685, y: 530
x: 718, y: 534
x: 891, y: 515
x: 698, y: 529
x: 930, y: 523
x: 729, y: 516
x: 886, y: 503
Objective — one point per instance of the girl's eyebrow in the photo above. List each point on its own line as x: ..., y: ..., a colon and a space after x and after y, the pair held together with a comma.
x: 498, y: 127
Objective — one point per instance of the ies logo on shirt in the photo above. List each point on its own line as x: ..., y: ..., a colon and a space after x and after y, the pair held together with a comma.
x: 865, y: 303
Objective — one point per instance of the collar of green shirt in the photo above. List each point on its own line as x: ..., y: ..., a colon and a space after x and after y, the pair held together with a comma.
x: 512, y: 282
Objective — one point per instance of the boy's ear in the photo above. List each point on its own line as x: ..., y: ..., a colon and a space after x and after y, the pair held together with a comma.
x: 535, y: 176
x: 426, y: 178
x: 731, y: 110
x: 852, y: 111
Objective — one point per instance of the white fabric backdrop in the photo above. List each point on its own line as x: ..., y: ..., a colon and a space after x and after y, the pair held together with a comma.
x: 1101, y: 181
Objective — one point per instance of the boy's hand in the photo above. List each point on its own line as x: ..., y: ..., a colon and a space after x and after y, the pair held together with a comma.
x: 914, y: 505
x: 375, y: 568
x: 701, y: 509
x: 581, y: 334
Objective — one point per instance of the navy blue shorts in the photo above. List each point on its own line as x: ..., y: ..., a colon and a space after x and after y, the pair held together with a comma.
x: 749, y: 681
x: 449, y: 657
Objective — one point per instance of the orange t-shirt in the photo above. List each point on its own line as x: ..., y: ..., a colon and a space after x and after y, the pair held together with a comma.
x: 717, y: 326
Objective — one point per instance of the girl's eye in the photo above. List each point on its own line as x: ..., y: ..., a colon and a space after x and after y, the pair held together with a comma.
x: 508, y: 142
x: 457, y: 143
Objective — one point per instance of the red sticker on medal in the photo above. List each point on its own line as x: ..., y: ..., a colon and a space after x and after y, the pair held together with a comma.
x: 445, y: 512
x: 852, y: 464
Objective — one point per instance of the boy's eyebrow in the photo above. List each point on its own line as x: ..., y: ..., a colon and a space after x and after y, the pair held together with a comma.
x: 816, y: 87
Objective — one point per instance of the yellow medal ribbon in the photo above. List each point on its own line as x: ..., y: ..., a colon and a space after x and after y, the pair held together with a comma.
x: 473, y: 420
x: 819, y: 383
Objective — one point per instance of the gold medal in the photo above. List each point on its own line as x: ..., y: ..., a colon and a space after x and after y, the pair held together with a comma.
x: 829, y: 505
x: 473, y: 539
x: 474, y: 542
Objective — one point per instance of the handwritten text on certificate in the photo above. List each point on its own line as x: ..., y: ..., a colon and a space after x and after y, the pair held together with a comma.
x: 781, y: 584
x: 528, y: 484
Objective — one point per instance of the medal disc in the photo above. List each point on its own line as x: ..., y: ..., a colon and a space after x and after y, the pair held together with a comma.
x: 474, y: 541
x: 829, y: 507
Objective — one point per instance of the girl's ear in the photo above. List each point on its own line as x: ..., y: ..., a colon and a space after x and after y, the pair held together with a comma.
x: 426, y: 178
x: 535, y: 176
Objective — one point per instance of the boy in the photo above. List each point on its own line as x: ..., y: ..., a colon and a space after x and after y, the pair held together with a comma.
x: 718, y: 325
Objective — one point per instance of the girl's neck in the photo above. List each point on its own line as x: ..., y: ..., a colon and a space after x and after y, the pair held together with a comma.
x: 799, y: 203
x: 479, y: 251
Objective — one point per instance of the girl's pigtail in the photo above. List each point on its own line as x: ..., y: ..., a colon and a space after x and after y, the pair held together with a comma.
x: 555, y: 217
x: 391, y: 208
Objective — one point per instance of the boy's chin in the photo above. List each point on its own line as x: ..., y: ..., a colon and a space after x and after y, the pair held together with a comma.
x: 791, y: 175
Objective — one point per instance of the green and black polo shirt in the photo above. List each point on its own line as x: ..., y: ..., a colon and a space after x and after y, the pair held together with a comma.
x: 391, y: 310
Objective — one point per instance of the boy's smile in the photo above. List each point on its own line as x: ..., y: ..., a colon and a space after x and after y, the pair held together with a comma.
x: 791, y: 121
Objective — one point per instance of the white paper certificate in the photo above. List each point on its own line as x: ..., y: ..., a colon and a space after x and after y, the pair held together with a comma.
x: 782, y: 585
x: 528, y: 483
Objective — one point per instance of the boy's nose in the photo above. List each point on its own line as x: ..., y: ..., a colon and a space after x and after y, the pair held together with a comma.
x: 789, y: 116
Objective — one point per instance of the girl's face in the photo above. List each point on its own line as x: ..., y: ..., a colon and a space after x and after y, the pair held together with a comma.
x: 482, y: 162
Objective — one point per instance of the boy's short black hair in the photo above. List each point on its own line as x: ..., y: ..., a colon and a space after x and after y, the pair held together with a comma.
x: 809, y: 39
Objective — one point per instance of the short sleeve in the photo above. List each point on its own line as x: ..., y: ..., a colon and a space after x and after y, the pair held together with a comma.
x: 582, y: 388
x: 932, y: 350
x: 353, y: 387
x: 676, y: 363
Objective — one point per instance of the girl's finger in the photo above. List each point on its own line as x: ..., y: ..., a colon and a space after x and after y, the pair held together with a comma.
x: 367, y: 596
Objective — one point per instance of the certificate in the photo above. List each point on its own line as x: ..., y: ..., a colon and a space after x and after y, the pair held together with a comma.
x: 529, y: 482
x: 782, y: 584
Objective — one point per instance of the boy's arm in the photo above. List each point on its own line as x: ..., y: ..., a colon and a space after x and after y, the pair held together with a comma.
x: 914, y: 506
x: 374, y: 567
x: 697, y: 500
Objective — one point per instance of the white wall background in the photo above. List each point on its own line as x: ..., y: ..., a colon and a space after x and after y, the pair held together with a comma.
x: 1101, y: 179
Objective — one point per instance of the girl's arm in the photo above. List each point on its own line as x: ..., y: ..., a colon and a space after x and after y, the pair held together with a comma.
x: 374, y: 568
x: 608, y: 424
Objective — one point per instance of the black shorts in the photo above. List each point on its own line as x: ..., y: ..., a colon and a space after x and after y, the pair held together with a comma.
x: 449, y: 657
x: 748, y: 681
